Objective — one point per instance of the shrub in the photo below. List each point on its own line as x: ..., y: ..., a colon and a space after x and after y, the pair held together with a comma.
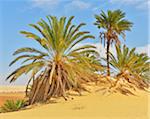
x: 11, y: 105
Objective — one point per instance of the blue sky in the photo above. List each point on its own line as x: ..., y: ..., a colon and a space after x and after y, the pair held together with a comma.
x: 15, y: 15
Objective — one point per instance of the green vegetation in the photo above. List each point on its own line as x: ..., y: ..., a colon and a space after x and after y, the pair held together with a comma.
x: 132, y: 68
x: 61, y: 65
x: 11, y: 105
x: 114, y: 25
x: 65, y: 63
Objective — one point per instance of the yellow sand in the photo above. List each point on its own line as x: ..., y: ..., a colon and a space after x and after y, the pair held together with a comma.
x: 6, y: 89
x: 89, y: 106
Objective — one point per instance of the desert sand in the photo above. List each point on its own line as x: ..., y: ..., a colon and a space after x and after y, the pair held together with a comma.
x: 11, y: 92
x: 11, y: 89
x: 89, y: 106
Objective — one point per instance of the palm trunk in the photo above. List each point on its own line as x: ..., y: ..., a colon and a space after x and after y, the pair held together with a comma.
x: 108, y: 68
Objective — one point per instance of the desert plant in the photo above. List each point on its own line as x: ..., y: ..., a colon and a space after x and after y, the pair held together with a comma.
x: 132, y: 68
x: 11, y: 105
x: 60, y: 65
x: 114, y: 25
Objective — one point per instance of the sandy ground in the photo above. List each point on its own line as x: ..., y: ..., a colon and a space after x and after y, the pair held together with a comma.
x: 11, y: 93
x: 89, y: 106
x: 10, y: 96
x: 11, y: 89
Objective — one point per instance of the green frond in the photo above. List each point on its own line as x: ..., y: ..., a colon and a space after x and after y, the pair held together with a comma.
x: 77, y: 28
x: 30, y: 50
x: 68, y: 25
x: 84, y: 48
x: 42, y: 41
x: 19, y: 58
x: 114, y: 22
x: 80, y: 40
x: 23, y: 70
x: 38, y: 29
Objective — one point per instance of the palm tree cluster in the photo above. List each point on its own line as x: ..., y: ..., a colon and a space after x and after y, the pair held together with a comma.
x: 62, y: 64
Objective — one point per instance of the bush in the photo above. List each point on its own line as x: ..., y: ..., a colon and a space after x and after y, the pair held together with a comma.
x: 11, y: 105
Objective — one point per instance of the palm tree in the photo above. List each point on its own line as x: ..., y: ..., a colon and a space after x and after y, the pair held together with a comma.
x: 59, y: 65
x: 131, y: 67
x: 114, y: 25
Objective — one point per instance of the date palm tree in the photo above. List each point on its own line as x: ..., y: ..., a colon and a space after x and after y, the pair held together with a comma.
x: 114, y: 25
x: 59, y: 65
x: 131, y: 67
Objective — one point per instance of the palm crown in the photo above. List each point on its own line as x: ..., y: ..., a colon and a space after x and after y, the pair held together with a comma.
x: 132, y: 66
x: 113, y: 23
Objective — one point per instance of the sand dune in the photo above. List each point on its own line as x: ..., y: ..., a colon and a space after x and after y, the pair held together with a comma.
x: 89, y: 106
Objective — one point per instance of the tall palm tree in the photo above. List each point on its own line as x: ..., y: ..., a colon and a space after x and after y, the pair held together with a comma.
x: 60, y: 65
x: 113, y: 24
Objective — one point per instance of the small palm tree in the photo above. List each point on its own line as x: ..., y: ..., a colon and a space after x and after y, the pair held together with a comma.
x: 60, y: 65
x: 131, y: 66
x: 114, y: 25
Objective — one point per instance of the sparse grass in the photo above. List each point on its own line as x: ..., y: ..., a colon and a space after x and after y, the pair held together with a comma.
x: 11, y: 105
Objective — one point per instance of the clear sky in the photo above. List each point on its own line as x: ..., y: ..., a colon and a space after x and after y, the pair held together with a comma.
x: 15, y: 15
